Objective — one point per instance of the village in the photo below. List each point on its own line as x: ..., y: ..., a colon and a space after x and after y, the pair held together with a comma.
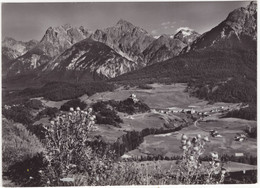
x: 201, y: 114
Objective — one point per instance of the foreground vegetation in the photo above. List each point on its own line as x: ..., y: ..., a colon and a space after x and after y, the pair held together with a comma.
x: 69, y: 155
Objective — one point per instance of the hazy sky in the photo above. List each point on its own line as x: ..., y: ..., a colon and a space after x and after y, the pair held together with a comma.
x: 25, y: 21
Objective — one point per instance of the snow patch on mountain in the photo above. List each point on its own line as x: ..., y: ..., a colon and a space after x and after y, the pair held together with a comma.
x: 74, y: 61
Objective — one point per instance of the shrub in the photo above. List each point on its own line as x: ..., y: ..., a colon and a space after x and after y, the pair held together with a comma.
x: 106, y: 114
x: 129, y: 106
x: 66, y: 138
x: 190, y: 168
x: 38, y: 130
x: 74, y: 103
x: 248, y: 113
x: 28, y: 172
x: 34, y: 104
x: 51, y: 112
x: 20, y: 114
x: 18, y: 144
x: 251, y: 131
x: 144, y: 86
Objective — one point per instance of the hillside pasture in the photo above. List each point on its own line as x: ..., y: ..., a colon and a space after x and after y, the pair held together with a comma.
x: 169, y: 145
x: 160, y: 96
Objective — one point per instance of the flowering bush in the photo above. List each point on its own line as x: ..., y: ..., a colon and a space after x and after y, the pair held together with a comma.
x: 66, y: 149
x: 191, y: 169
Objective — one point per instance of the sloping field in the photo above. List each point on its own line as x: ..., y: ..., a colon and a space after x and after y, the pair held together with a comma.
x: 169, y: 145
x: 136, y: 122
x: 52, y: 104
x: 161, y: 96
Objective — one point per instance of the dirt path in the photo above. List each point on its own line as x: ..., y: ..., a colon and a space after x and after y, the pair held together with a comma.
x: 195, y: 125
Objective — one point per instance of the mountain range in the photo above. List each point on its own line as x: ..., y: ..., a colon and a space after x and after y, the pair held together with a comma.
x: 125, y: 48
x: 209, y: 62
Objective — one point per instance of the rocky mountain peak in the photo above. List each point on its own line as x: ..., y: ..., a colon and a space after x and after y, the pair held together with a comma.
x: 186, y: 35
x: 126, y: 39
x: 124, y: 22
x: 240, y: 26
x: 163, y: 48
x: 58, y: 39
x: 252, y: 6
x: 8, y: 40
x: 243, y: 20
x: 66, y: 26
x: 127, y: 27
x: 16, y: 48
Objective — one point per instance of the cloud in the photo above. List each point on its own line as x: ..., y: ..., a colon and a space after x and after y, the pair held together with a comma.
x: 154, y: 32
x: 183, y: 28
x: 165, y: 27
x: 165, y: 23
x: 172, y: 26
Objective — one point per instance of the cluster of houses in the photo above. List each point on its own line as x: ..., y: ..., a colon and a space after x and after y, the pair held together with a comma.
x: 7, y: 107
x: 214, y: 133
x: 190, y: 110
x: 240, y: 137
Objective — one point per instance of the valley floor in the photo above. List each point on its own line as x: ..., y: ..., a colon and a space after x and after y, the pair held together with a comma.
x: 171, y: 104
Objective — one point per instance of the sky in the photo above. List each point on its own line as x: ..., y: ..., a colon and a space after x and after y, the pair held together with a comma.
x: 26, y: 21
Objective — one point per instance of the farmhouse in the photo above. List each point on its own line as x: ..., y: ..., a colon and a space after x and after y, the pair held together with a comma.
x: 134, y: 98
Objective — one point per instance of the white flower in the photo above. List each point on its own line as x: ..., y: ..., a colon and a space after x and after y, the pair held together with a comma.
x: 70, y: 114
x: 184, y: 137
x: 217, y: 164
x: 92, y: 118
x: 198, y: 136
x: 223, y: 171
x: 206, y: 138
x: 188, y: 143
x: 90, y: 110
x: 52, y: 122
x: 184, y: 147
x: 214, y: 155
x: 191, y: 158
x: 78, y: 108
x: 196, y: 148
x: 71, y: 109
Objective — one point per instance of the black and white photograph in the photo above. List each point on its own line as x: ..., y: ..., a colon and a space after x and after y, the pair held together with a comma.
x: 143, y: 93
